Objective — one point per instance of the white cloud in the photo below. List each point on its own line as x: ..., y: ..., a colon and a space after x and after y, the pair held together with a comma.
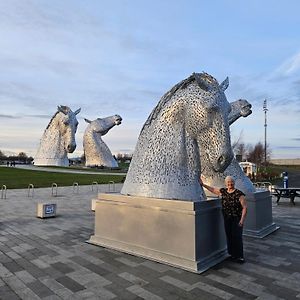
x: 289, y: 66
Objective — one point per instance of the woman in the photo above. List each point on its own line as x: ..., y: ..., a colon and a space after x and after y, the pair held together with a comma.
x: 234, y: 208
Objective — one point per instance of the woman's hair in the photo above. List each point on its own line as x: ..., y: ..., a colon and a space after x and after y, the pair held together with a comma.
x: 229, y: 178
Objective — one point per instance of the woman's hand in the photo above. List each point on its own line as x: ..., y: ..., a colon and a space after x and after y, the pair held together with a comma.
x: 200, y: 181
x: 213, y: 190
x: 241, y: 223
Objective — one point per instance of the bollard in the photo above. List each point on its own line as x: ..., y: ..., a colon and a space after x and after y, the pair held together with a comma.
x: 113, y: 185
x: 95, y: 183
x: 30, y: 188
x: 3, y: 191
x: 54, y: 186
x: 75, y: 187
x: 285, y: 180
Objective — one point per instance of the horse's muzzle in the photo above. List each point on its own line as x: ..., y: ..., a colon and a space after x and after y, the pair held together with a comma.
x: 118, y: 121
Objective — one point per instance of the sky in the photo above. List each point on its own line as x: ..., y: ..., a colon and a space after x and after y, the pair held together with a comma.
x: 120, y: 57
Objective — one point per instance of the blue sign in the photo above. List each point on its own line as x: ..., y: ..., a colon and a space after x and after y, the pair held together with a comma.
x: 49, y: 209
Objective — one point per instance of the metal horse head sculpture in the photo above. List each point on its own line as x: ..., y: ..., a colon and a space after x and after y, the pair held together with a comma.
x: 58, y: 138
x: 96, y: 151
x: 166, y: 161
x: 239, y: 108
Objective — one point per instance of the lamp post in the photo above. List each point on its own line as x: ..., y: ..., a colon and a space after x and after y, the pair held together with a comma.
x: 265, y: 110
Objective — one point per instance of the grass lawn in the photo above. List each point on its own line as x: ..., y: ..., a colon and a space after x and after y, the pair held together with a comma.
x: 19, y: 178
x: 272, y: 173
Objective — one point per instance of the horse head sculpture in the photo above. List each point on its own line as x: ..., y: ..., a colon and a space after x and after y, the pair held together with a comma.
x: 166, y: 161
x: 96, y: 151
x: 239, y: 108
x: 68, y: 123
x: 58, y: 138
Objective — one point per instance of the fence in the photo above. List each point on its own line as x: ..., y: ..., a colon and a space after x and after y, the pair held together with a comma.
x: 54, y: 188
x: 95, y: 187
x: 3, y: 191
x: 264, y: 185
x: 30, y: 190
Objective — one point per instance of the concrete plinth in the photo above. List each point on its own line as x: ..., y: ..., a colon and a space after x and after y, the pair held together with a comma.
x: 61, y: 162
x: 259, y: 222
x: 185, y: 234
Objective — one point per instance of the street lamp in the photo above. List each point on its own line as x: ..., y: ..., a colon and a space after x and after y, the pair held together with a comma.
x: 265, y: 110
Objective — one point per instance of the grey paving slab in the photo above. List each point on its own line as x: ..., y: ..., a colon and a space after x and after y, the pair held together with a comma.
x: 40, y: 289
x: 50, y: 259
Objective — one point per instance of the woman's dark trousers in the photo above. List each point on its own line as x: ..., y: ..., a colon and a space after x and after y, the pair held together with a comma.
x: 234, y: 236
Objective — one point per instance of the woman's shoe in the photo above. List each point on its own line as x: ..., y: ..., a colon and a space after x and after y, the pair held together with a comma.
x: 240, y: 260
x: 232, y: 258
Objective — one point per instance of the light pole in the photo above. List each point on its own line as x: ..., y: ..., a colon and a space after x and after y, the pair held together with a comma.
x: 265, y: 110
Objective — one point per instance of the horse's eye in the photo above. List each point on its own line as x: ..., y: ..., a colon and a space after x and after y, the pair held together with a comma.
x: 213, y: 108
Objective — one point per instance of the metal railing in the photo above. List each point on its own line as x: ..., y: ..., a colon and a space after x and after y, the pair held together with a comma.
x: 30, y: 190
x: 54, y: 189
x: 3, y: 191
x: 264, y: 185
x: 111, y: 183
x: 95, y: 185
x: 75, y: 187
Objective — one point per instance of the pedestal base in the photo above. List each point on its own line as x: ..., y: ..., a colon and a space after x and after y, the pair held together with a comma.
x: 61, y: 162
x: 259, y: 221
x: 184, y: 234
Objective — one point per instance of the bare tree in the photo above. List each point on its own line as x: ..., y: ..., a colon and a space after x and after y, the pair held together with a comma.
x: 2, y: 155
x: 241, y: 150
x: 22, y: 155
x: 256, y: 154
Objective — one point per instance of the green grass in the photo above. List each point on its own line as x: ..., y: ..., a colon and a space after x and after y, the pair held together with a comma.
x: 273, y: 173
x: 15, y: 178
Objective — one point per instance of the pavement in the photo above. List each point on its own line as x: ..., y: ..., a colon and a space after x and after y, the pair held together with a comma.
x: 50, y: 259
x: 62, y: 170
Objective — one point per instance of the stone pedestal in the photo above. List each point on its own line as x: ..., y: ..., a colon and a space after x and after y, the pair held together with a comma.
x: 60, y: 162
x: 259, y: 221
x: 184, y: 234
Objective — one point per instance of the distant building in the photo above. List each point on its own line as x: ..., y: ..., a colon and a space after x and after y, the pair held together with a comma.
x: 74, y: 161
x: 249, y: 168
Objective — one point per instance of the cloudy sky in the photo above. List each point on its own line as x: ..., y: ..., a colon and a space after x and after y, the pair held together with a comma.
x: 120, y: 57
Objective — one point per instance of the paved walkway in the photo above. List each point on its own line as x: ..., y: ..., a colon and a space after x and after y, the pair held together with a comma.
x: 49, y: 258
x: 62, y: 170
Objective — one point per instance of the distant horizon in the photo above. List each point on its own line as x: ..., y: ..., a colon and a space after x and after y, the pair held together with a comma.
x: 72, y: 155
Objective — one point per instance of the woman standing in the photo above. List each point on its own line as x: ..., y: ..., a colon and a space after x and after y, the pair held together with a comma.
x: 234, y: 208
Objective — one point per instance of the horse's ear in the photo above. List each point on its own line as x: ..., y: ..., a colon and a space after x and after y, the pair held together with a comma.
x: 224, y: 85
x: 87, y: 120
x: 61, y: 109
x: 77, y: 111
x: 201, y: 82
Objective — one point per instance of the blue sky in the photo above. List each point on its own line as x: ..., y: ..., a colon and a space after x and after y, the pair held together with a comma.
x: 120, y: 57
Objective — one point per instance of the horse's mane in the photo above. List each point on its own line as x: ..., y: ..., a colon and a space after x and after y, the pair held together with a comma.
x: 65, y: 107
x: 198, y: 77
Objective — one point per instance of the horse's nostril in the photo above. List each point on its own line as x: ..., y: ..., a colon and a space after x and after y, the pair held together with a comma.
x: 71, y: 148
x: 221, y: 160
